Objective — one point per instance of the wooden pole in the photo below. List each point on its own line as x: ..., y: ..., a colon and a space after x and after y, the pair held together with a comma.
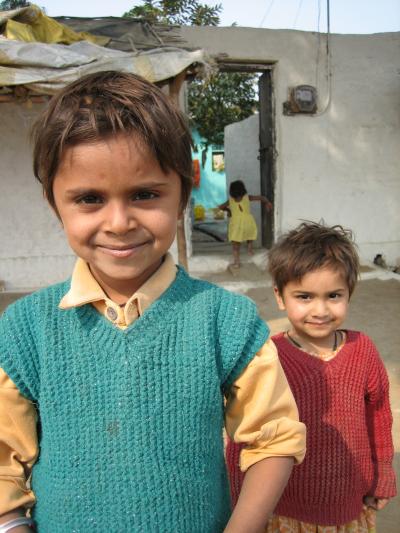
x: 175, y: 86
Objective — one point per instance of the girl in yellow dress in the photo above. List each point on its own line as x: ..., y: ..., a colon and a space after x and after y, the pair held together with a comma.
x: 242, y: 226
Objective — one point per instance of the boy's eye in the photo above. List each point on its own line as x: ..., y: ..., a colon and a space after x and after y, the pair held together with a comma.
x: 90, y: 199
x: 144, y: 195
x: 303, y: 297
x: 334, y: 295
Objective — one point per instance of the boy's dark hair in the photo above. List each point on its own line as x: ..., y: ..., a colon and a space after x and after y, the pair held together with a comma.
x: 312, y: 246
x: 100, y: 105
x: 237, y: 189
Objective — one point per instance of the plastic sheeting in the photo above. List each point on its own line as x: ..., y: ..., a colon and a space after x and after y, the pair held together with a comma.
x: 30, y: 24
x: 31, y: 54
x: 44, y: 68
x: 128, y: 34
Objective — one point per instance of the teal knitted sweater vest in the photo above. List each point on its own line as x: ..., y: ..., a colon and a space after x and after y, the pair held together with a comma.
x: 131, y: 421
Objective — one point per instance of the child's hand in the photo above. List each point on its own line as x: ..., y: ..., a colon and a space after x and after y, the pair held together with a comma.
x: 267, y: 203
x: 375, y: 503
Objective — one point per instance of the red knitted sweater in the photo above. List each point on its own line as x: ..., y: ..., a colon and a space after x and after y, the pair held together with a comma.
x: 345, y: 405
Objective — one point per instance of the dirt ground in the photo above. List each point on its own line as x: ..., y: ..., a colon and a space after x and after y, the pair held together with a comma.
x: 374, y: 309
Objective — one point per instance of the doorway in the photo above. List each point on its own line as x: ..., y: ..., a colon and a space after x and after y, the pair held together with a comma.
x: 265, y: 156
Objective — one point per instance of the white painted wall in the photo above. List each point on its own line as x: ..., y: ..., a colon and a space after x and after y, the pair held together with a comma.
x: 33, y: 249
x: 342, y: 166
x: 241, y: 163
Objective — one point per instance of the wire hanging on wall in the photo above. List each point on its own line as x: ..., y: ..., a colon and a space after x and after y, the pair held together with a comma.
x: 304, y: 98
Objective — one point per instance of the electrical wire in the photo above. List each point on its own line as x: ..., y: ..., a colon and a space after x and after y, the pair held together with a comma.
x: 318, y: 44
x: 328, y: 61
x: 297, y: 14
x: 319, y: 15
x: 266, y: 13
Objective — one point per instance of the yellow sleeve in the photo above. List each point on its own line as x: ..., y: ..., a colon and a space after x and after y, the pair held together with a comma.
x: 18, y: 446
x: 261, y: 411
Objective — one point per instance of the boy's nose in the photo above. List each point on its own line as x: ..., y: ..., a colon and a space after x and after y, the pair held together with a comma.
x: 119, y: 219
x: 320, y: 309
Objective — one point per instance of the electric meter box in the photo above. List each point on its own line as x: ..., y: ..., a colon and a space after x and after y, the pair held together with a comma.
x: 302, y: 99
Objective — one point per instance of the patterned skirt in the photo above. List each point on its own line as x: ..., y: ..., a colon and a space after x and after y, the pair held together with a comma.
x: 365, y: 523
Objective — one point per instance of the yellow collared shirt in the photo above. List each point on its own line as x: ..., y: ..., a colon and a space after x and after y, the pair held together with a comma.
x: 260, y: 409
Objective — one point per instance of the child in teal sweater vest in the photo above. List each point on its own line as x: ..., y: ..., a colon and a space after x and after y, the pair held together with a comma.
x: 126, y: 366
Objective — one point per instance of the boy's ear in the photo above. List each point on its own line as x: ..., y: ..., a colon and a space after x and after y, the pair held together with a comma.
x: 279, y: 299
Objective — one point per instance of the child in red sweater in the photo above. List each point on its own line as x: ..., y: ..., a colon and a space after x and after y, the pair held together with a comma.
x: 340, y: 386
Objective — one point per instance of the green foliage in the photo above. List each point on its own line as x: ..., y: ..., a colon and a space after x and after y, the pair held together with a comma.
x: 5, y: 5
x: 221, y: 100
x: 181, y: 12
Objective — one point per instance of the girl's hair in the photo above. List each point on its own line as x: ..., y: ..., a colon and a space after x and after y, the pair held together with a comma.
x: 98, y: 106
x: 237, y: 189
x: 310, y: 247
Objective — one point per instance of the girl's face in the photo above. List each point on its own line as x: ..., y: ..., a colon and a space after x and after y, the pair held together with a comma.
x: 316, y: 305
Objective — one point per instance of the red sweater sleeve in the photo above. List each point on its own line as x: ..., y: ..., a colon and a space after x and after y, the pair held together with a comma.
x: 379, y: 422
x: 236, y: 476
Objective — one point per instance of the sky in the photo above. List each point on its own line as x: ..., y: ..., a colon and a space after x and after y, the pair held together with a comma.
x: 346, y: 16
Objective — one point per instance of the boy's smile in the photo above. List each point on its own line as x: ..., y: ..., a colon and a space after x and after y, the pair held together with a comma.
x: 119, y: 210
x: 316, y: 306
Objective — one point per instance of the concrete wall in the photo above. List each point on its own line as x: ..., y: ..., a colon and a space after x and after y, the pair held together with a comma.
x: 342, y: 166
x: 33, y: 250
x: 241, y: 152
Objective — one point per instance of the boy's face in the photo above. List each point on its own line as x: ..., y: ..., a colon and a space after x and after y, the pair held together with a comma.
x: 317, y: 305
x: 119, y: 210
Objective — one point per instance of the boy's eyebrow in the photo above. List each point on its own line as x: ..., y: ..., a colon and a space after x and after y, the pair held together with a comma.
x: 151, y: 184
x: 140, y: 186
x: 81, y: 190
x: 300, y: 291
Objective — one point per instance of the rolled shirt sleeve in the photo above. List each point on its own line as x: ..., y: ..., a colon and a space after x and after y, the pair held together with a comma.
x: 261, y: 412
x: 18, y: 446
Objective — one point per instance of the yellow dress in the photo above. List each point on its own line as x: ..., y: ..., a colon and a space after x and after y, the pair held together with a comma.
x: 242, y: 226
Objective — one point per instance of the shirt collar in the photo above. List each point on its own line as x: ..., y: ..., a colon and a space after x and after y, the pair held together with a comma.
x: 85, y: 288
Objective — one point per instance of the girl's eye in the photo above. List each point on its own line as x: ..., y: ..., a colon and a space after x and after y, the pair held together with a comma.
x: 144, y: 195
x: 334, y: 296
x: 90, y: 199
x: 303, y: 297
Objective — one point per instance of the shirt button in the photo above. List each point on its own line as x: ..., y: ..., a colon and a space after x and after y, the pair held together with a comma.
x: 112, y: 313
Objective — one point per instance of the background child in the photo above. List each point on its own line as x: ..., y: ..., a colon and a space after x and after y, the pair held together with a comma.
x: 340, y: 386
x: 125, y: 365
x: 242, y: 226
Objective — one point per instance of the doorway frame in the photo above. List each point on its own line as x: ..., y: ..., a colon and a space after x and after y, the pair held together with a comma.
x: 267, y: 135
